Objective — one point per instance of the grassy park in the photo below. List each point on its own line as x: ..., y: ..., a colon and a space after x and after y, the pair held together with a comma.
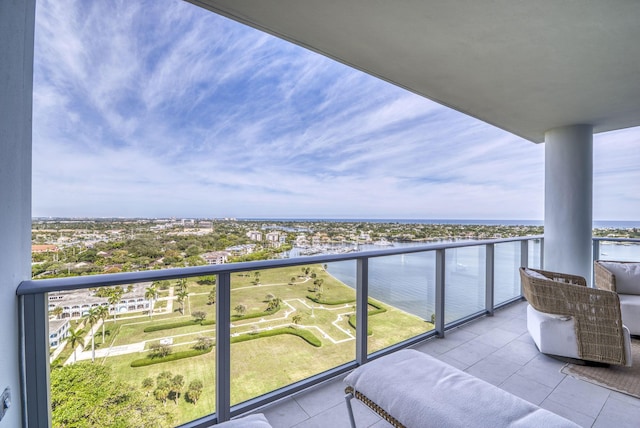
x: 271, y: 303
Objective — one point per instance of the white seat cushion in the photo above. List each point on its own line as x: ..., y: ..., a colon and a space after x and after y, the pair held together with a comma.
x: 630, y: 308
x: 553, y: 334
x: 627, y: 276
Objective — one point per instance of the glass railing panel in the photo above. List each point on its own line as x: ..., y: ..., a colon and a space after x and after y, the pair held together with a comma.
x: 401, y: 298
x: 287, y: 324
x: 464, y: 282
x: 622, y: 251
x: 535, y: 247
x: 506, y: 280
x: 146, y: 346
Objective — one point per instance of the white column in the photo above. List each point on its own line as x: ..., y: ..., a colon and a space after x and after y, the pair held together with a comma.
x: 16, y: 77
x: 568, y: 211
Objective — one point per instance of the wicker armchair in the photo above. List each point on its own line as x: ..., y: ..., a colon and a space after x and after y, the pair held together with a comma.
x: 597, y: 322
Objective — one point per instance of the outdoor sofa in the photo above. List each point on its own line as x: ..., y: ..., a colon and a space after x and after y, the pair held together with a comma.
x: 411, y: 389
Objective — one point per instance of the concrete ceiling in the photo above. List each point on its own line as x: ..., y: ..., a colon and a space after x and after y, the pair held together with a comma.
x: 524, y: 66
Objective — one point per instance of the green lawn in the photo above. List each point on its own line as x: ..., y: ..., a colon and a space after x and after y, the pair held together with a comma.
x: 264, y: 364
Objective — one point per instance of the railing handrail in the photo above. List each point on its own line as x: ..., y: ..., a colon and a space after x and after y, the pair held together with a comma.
x: 31, y: 287
x: 609, y: 239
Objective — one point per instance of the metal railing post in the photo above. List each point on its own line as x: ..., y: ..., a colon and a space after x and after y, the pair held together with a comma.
x: 362, y: 309
x: 440, y: 292
x: 223, y: 347
x: 489, y: 278
x: 524, y: 259
x: 594, y: 256
x: 35, y: 355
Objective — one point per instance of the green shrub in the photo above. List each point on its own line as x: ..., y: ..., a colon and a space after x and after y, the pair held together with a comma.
x: 324, y: 301
x: 142, y: 362
x: 303, y: 334
x: 379, y: 309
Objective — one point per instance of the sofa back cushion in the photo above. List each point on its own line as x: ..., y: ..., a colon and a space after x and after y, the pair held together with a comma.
x: 627, y: 276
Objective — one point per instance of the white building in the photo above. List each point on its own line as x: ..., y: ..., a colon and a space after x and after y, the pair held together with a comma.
x: 255, y: 235
x: 58, y: 331
x: 216, y: 257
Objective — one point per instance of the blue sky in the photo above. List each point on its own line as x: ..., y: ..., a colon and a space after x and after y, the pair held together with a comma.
x: 159, y: 108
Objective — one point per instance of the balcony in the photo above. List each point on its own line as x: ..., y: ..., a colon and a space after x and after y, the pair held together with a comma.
x: 496, y: 349
x: 470, y: 315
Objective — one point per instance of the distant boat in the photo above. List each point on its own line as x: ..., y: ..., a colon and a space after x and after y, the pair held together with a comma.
x: 383, y: 243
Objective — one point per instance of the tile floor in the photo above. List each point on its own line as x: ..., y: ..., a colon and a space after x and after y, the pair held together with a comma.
x: 497, y: 349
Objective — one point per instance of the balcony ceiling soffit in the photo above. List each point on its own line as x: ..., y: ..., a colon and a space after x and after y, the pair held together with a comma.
x: 523, y: 66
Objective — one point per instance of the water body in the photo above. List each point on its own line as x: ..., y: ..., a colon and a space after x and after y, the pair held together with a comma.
x: 408, y: 281
x: 614, y: 224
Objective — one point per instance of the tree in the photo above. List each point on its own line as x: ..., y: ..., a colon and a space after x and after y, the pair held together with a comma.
x: 274, y: 304
x: 57, y: 311
x: 177, y: 383
x: 76, y: 338
x: 159, y: 350
x: 203, y: 343
x: 92, y: 317
x: 103, y: 313
x: 89, y: 395
x: 147, y: 385
x: 240, y: 309
x: 256, y: 275
x: 199, y: 316
x: 163, y: 389
x: 150, y: 294
x: 114, y: 298
x: 211, y: 299
x: 194, y: 391
x: 182, y: 295
x: 296, y: 319
x: 292, y: 280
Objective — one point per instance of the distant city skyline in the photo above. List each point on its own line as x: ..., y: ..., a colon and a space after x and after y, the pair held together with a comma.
x: 162, y: 109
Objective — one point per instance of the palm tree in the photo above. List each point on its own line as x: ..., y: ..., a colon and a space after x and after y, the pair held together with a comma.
x: 194, y: 391
x: 103, y: 313
x: 147, y: 385
x: 57, y: 311
x: 75, y: 339
x: 92, y: 317
x: 114, y: 297
x: 177, y: 383
x: 182, y: 296
x: 150, y: 294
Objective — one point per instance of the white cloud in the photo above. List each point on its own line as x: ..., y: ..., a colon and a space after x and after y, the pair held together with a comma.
x: 159, y: 108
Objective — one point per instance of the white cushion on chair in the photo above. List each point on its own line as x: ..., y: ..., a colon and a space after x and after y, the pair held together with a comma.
x: 627, y: 276
x: 553, y: 334
x: 630, y: 310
